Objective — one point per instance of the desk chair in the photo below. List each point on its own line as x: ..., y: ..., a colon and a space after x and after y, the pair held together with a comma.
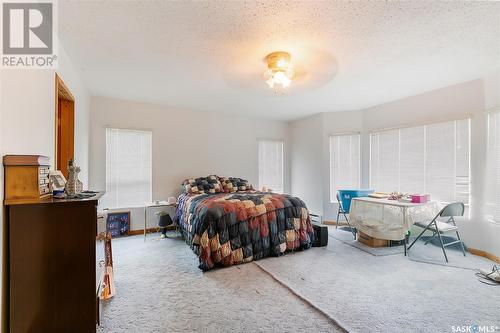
x: 344, y: 213
x: 437, y: 227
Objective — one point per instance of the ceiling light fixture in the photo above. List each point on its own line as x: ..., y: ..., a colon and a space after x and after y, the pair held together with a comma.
x: 279, y: 73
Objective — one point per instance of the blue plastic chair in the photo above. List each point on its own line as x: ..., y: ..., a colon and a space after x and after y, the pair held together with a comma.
x: 342, y: 211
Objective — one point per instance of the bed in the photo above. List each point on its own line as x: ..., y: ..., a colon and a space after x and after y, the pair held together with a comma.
x: 226, y: 222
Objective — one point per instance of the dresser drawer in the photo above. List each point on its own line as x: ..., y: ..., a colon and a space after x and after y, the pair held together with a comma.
x: 44, y: 189
x: 44, y: 170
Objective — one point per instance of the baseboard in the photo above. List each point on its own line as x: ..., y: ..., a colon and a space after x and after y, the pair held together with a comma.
x: 484, y: 254
x: 148, y: 230
x: 334, y: 223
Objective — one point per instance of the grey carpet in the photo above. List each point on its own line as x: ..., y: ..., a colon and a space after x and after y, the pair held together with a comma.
x: 367, y: 293
x: 430, y: 253
x: 160, y: 289
x: 433, y: 254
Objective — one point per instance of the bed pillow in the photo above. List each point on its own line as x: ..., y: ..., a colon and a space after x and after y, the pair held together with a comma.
x: 210, y: 184
x: 232, y: 184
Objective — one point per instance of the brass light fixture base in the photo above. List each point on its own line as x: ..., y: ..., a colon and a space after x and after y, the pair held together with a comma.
x: 279, y: 59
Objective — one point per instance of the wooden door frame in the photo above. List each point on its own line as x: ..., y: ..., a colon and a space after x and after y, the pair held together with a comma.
x: 61, y: 92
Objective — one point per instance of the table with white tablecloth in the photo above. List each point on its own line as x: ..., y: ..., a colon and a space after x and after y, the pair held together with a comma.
x: 388, y: 219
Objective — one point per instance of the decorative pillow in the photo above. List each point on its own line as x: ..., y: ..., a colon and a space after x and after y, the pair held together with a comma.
x: 210, y: 184
x: 232, y: 184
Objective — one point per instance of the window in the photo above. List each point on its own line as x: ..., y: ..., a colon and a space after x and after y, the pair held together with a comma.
x: 128, y: 168
x: 432, y: 159
x: 271, y: 164
x: 345, y: 159
x: 492, y: 208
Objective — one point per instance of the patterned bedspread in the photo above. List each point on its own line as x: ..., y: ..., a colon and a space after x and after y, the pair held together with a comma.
x: 240, y: 227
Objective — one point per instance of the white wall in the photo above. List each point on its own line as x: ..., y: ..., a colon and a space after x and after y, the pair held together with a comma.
x: 469, y: 99
x: 488, y: 234
x: 185, y: 144
x: 68, y: 73
x: 305, y: 169
x: 492, y: 90
x: 28, y: 124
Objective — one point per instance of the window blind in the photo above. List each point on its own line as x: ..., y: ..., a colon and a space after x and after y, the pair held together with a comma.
x: 492, y: 208
x: 271, y: 164
x: 128, y: 168
x: 345, y: 159
x: 384, y: 160
x: 432, y: 159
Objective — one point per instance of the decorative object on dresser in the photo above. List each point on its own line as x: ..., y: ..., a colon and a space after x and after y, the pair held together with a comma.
x: 26, y: 177
x: 57, y: 181
x: 118, y: 224
x: 51, y: 265
x: 73, y: 185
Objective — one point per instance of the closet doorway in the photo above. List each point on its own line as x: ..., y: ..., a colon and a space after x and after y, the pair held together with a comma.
x: 65, y: 126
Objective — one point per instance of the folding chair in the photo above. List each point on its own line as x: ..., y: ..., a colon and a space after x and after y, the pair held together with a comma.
x: 438, y: 227
x: 343, y: 212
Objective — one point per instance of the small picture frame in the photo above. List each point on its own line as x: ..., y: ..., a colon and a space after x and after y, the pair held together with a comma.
x: 118, y: 224
x: 57, y: 180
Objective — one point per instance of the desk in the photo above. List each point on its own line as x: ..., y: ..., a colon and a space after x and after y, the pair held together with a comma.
x: 388, y: 219
x: 154, y: 205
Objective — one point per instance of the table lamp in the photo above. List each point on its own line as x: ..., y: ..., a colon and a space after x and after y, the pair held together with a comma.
x: 164, y: 221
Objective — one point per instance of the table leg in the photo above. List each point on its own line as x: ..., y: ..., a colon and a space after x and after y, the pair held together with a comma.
x: 404, y: 223
x: 404, y: 242
x: 145, y: 212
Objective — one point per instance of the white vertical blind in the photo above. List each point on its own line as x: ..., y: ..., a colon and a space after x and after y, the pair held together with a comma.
x: 128, y: 168
x: 440, y: 176
x: 384, y: 160
x: 462, y: 158
x: 432, y: 159
x: 412, y: 160
x: 492, y: 208
x: 345, y: 160
x: 271, y: 164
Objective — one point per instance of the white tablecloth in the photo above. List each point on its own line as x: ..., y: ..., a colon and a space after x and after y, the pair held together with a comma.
x: 388, y: 219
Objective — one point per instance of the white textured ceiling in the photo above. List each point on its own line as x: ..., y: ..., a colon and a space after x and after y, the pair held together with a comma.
x: 207, y: 56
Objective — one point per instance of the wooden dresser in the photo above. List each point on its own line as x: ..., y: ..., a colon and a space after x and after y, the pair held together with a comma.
x: 52, y: 265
